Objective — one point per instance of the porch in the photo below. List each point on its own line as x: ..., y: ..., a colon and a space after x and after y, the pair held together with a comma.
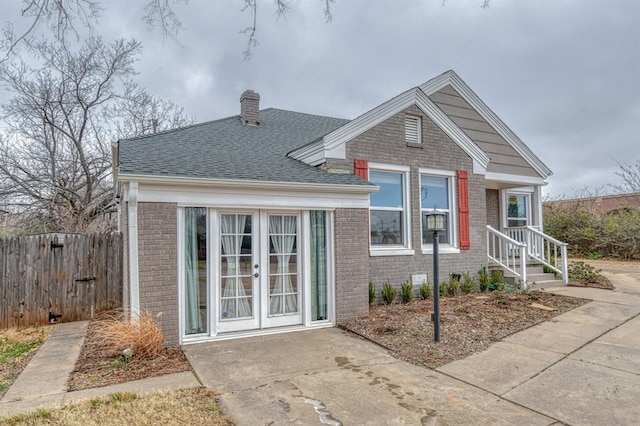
x: 528, y: 256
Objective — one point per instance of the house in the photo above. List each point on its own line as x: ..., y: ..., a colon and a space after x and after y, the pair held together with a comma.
x: 275, y: 220
x: 599, y: 204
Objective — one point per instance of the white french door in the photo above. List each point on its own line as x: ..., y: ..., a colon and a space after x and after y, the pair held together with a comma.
x: 259, y: 271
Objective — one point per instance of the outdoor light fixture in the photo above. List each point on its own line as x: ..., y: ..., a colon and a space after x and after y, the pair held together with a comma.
x: 435, y: 223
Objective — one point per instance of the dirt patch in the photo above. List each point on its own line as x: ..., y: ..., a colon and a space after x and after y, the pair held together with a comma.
x: 100, y: 365
x: 468, y: 323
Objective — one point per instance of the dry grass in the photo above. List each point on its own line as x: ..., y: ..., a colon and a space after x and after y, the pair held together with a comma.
x: 187, y: 407
x: 143, y: 334
x: 102, y: 363
x: 17, y: 347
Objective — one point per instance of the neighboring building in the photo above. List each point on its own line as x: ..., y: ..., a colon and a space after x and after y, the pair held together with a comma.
x: 598, y: 204
x: 276, y: 220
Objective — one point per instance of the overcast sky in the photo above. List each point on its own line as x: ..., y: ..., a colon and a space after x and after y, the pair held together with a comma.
x: 563, y: 75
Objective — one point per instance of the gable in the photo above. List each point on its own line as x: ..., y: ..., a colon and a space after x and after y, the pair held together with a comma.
x: 504, y: 158
x: 490, y: 131
x: 333, y: 145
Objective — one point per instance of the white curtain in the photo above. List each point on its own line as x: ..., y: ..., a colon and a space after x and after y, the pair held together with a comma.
x: 193, y: 320
x: 282, y: 230
x: 234, y: 303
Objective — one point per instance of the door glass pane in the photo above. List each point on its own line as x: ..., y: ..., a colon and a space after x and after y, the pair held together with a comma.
x: 283, y: 265
x: 236, y: 266
x: 195, y: 266
x: 318, y: 265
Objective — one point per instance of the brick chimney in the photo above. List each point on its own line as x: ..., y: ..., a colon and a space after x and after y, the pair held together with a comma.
x: 249, y: 108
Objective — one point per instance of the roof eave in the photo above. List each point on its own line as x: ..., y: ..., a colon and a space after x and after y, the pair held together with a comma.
x: 252, y: 184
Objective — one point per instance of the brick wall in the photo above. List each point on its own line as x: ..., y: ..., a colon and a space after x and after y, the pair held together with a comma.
x: 493, y: 208
x: 385, y: 143
x: 157, y: 262
x: 351, y: 267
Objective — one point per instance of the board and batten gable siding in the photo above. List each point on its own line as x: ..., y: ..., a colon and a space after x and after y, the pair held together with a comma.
x: 385, y: 143
x: 504, y: 159
x: 158, y: 265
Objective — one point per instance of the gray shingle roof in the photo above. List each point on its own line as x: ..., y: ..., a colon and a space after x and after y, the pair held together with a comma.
x: 227, y: 149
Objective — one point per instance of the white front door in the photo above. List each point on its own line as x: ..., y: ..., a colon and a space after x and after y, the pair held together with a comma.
x: 259, y: 271
x: 518, y: 210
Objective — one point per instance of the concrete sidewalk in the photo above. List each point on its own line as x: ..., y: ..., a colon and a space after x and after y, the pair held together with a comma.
x: 43, y: 383
x: 581, y: 368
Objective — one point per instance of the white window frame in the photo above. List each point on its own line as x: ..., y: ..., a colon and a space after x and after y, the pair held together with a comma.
x: 453, y: 245
x: 418, y: 123
x: 526, y: 191
x: 406, y: 248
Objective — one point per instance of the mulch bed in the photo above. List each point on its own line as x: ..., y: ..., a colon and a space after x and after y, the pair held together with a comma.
x: 100, y: 366
x: 468, y: 323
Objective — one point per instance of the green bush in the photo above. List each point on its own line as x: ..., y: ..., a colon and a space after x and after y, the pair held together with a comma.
x: 497, y: 279
x: 425, y: 290
x: 372, y: 293
x: 468, y: 283
x: 444, y: 288
x: 454, y: 285
x: 406, y: 291
x: 388, y: 293
x: 483, y: 279
x: 594, y: 235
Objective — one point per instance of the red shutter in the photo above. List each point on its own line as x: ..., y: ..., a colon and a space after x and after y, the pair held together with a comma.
x: 361, y: 168
x: 463, y: 210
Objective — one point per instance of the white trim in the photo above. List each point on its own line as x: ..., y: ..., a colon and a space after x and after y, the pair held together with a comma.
x: 306, y: 270
x: 514, y: 179
x: 333, y: 144
x: 181, y: 284
x: 249, y: 198
x: 405, y: 248
x: 134, y: 275
x: 200, y: 338
x: 390, y: 251
x: 538, y: 198
x: 445, y: 247
x: 247, y: 184
x: 451, y: 78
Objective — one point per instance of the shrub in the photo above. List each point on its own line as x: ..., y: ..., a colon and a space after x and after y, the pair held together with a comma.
x: 483, y: 279
x: 580, y: 272
x: 444, y: 288
x: 497, y: 279
x: 454, y: 284
x: 388, y: 293
x: 425, y: 290
x: 142, y: 334
x: 406, y: 291
x: 468, y: 283
x: 372, y: 292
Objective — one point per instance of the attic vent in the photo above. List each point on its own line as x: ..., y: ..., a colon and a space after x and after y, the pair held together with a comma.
x: 413, y: 129
x: 250, y: 108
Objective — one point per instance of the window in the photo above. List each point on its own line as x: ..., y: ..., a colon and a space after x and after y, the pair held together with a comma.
x: 436, y: 193
x: 517, y: 210
x: 413, y: 129
x: 388, y: 209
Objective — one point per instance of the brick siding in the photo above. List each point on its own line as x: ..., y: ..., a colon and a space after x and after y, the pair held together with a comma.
x: 158, y: 265
x: 385, y: 143
x: 493, y: 208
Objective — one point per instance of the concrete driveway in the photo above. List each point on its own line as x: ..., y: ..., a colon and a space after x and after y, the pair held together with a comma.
x: 581, y: 368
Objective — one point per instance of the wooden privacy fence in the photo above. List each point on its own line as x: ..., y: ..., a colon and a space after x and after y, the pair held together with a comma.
x: 61, y: 277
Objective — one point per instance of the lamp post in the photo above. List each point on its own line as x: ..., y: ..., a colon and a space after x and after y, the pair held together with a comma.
x: 435, y: 223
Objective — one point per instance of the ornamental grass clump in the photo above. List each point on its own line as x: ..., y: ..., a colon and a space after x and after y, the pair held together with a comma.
x: 141, y: 334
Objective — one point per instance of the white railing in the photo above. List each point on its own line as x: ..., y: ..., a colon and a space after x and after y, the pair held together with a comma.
x: 505, y: 251
x: 543, y: 248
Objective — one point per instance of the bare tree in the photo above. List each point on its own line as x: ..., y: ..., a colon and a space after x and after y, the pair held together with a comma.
x: 630, y: 175
x: 55, y: 149
x: 63, y: 16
